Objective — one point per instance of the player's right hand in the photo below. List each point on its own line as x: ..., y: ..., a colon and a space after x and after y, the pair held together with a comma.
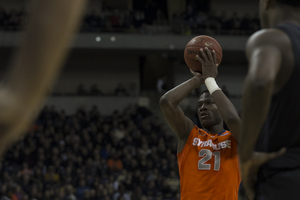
x: 198, y: 76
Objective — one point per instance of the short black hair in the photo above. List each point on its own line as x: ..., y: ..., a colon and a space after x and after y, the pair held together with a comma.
x: 204, y: 91
x: 295, y: 3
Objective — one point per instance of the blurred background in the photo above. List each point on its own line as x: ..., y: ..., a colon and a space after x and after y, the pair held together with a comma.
x: 101, y: 134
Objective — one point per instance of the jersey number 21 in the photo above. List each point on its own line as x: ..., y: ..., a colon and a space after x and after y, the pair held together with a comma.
x: 207, y: 155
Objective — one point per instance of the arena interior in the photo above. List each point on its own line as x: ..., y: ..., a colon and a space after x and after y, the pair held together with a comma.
x: 101, y: 135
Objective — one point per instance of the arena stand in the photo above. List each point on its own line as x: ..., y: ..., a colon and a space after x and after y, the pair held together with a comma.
x: 126, y: 155
x: 121, y: 148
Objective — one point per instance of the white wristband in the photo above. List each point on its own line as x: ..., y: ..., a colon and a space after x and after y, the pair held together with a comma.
x: 211, y: 84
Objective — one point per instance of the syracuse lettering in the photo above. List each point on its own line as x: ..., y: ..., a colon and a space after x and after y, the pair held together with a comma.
x: 209, y: 143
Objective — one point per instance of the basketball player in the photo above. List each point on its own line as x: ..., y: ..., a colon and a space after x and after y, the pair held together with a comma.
x: 36, y: 64
x: 271, y: 105
x: 207, y: 158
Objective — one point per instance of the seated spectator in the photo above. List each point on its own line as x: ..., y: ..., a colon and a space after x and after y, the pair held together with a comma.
x: 25, y: 170
x: 4, y: 193
x: 120, y: 90
x: 17, y: 195
x: 95, y: 91
x: 69, y: 193
x: 133, y: 91
x: 114, y: 163
x: 81, y: 91
x: 81, y: 189
x: 121, y: 194
x: 51, y: 176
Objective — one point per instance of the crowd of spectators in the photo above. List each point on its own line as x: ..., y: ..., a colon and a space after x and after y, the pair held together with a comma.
x: 199, y: 22
x: 129, y: 155
x: 192, y: 21
x: 120, y: 90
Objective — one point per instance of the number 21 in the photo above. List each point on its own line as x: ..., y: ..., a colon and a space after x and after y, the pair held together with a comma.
x: 207, y: 156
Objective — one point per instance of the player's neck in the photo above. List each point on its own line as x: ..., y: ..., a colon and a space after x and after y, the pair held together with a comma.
x: 214, y: 129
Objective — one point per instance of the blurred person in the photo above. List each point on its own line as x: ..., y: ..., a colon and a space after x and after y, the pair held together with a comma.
x: 93, y: 194
x: 26, y: 183
x: 25, y: 170
x: 35, y: 192
x: 17, y: 194
x: 121, y: 193
x: 164, y: 168
x: 81, y: 91
x: 167, y: 191
x: 81, y: 189
x: 133, y: 90
x: 269, y: 143
x: 95, y: 91
x: 86, y: 195
x: 207, y: 158
x: 143, y: 197
x: 69, y: 191
x: 151, y: 189
x: 114, y: 163
x: 3, y: 193
x: 173, y: 181
x: 36, y: 64
x: 137, y: 193
x: 51, y: 176
x: 121, y: 90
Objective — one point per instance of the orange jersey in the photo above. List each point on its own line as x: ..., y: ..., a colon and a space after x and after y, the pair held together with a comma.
x: 208, y: 167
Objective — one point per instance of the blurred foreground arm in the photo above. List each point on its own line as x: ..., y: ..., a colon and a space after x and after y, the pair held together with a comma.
x: 36, y: 64
x: 265, y: 59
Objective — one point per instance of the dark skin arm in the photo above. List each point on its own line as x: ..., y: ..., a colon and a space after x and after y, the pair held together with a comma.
x: 173, y: 114
x: 265, y: 59
x: 225, y: 107
x: 36, y: 65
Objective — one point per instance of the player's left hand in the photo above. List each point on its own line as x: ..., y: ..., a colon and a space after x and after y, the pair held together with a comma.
x: 250, y: 168
x: 209, y: 63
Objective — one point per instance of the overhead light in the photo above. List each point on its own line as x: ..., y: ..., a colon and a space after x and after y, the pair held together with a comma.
x: 98, y: 39
x: 113, y: 38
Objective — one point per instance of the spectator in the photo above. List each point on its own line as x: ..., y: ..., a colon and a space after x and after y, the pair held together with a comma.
x: 120, y: 90
x: 69, y: 193
x: 4, y: 193
x: 17, y: 195
x: 114, y: 163
x: 25, y: 170
x: 95, y: 91
x: 51, y: 176
x: 82, y: 190
x: 81, y: 91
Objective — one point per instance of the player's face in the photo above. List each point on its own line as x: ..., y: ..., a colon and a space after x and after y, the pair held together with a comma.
x: 208, y: 112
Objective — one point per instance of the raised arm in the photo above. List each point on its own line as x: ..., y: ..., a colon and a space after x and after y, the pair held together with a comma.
x: 36, y: 64
x: 225, y: 107
x: 173, y: 114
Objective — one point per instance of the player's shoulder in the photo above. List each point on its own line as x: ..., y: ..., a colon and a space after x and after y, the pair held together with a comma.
x: 271, y: 36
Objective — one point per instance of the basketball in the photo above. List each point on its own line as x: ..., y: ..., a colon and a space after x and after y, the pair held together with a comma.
x: 193, y: 48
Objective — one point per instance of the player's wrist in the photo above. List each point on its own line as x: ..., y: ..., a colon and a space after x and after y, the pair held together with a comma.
x: 199, y: 80
x: 211, y: 85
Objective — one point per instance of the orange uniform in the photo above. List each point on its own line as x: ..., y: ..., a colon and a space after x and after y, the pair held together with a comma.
x: 208, y: 167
